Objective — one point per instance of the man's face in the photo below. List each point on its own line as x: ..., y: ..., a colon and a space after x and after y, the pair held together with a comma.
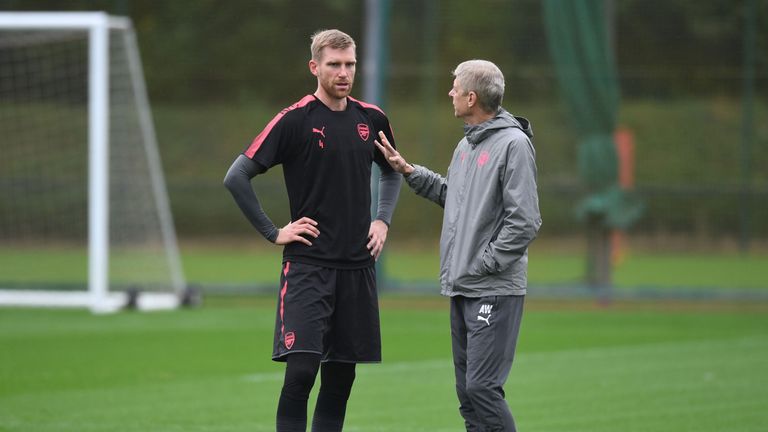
x: 460, y: 100
x: 335, y: 71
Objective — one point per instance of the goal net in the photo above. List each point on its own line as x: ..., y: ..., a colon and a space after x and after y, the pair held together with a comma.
x: 84, y: 213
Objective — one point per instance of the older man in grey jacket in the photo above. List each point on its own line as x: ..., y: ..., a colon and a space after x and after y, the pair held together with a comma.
x: 491, y: 215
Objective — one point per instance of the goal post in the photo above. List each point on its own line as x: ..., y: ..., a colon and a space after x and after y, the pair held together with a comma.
x: 66, y: 78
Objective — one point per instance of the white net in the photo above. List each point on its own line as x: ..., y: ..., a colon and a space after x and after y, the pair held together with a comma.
x: 44, y: 160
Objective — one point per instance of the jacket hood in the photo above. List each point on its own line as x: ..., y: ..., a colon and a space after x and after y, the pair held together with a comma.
x: 477, y: 133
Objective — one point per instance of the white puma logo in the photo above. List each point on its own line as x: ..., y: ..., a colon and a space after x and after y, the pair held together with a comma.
x: 487, y: 320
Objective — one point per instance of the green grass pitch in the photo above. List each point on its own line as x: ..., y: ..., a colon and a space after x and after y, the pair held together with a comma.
x: 578, y: 368
x: 226, y: 266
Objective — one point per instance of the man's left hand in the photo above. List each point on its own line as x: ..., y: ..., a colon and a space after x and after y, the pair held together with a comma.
x: 394, y: 158
x: 377, y: 236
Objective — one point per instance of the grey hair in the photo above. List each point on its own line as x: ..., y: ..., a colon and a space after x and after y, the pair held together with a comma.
x: 485, y: 79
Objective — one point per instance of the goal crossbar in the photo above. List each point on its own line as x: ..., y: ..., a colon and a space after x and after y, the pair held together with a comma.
x: 61, y: 20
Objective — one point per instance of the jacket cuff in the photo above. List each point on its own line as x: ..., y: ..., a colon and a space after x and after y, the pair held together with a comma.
x: 416, y: 176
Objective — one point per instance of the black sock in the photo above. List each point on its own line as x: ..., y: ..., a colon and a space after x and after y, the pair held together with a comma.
x: 335, y: 387
x: 300, y: 373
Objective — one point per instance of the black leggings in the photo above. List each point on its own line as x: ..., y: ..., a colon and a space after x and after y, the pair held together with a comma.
x: 336, y: 385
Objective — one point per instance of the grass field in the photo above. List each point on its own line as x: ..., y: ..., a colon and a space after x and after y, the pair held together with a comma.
x: 728, y: 271
x: 628, y: 367
x: 214, y: 267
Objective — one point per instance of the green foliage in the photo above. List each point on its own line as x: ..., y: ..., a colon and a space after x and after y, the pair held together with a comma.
x: 217, y: 72
x: 210, y: 50
x: 687, y: 165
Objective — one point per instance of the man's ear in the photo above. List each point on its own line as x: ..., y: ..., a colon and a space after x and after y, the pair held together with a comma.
x: 472, y: 99
x: 313, y: 67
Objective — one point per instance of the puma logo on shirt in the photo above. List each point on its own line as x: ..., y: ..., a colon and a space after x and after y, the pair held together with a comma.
x: 319, y: 131
x: 322, y: 134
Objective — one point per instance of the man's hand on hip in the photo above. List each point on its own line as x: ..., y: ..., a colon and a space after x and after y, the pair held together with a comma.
x: 294, y: 230
x: 377, y: 236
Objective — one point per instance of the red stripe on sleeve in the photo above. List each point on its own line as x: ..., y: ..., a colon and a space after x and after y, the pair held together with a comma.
x: 259, y: 140
x: 374, y: 107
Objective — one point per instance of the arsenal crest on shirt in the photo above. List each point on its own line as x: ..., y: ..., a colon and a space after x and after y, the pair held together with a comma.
x: 363, y: 131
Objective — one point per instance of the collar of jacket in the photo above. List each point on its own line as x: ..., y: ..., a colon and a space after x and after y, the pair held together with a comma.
x: 476, y: 134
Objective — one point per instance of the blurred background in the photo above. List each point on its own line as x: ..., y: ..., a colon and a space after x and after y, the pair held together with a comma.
x: 648, y: 283
x: 649, y: 121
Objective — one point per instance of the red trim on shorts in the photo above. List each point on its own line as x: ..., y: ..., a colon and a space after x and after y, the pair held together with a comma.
x: 282, y: 297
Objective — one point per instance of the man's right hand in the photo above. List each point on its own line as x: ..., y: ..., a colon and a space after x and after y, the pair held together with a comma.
x: 293, y: 231
x: 397, y: 162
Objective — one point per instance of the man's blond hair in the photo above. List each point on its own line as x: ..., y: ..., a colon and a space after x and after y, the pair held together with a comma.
x: 335, y: 39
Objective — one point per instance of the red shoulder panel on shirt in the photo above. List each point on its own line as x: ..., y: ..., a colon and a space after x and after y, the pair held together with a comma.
x: 374, y: 107
x: 366, y: 105
x: 254, y: 147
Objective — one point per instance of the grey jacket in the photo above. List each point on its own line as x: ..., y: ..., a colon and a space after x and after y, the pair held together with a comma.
x: 491, y: 208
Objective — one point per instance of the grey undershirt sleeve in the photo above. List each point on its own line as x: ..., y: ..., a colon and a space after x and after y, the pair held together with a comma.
x: 238, y: 181
x: 389, y: 190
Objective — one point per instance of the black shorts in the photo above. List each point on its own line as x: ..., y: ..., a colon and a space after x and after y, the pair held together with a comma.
x: 332, y: 312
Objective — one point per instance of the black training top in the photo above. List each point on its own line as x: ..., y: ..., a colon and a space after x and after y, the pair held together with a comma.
x: 326, y: 157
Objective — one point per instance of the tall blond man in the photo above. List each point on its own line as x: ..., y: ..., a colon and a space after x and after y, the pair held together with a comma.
x: 327, y: 306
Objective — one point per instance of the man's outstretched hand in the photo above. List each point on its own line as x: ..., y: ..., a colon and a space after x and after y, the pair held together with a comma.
x: 395, y: 160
